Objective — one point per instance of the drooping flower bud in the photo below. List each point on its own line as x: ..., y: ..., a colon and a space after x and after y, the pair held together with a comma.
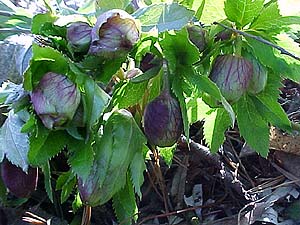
x: 163, y: 120
x: 197, y: 36
x: 114, y: 34
x: 232, y: 75
x: 260, y: 75
x: 18, y: 182
x: 79, y: 36
x: 55, y: 100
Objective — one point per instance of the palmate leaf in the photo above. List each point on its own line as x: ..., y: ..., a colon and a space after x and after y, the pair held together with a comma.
x: 243, y: 11
x: 270, y: 20
x: 115, y: 150
x: 124, y: 204
x: 252, y: 126
x: 14, y: 144
x: 163, y: 17
x: 215, y: 125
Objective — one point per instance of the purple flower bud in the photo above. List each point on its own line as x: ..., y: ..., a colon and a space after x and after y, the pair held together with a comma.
x: 114, y: 34
x: 198, y: 36
x: 18, y: 182
x: 232, y: 75
x: 55, y: 100
x: 79, y: 36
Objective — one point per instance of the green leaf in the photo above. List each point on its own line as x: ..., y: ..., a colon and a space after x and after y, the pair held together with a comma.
x: 47, y: 180
x: 271, y: 21
x: 81, y: 158
x: 272, y: 111
x: 196, y: 109
x: 267, y: 103
x: 167, y: 154
x: 14, y: 143
x: 203, y: 83
x: 29, y: 125
x: 95, y: 100
x: 39, y: 20
x: 44, y: 144
x: 163, y: 17
x: 128, y: 93
x: 115, y: 150
x: 252, y: 126
x: 213, y: 11
x: 243, y: 11
x: 137, y: 168
x: 105, y: 5
x: 179, y: 52
x: 266, y: 56
x: 216, y: 123
x: 178, y: 91
x: 65, y: 182
x: 124, y: 204
x: 44, y: 59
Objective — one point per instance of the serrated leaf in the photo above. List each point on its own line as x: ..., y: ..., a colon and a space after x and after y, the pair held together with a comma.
x: 44, y: 59
x: 121, y: 139
x: 13, y: 143
x: 81, y: 158
x: 266, y: 56
x: 95, y: 102
x: 243, y: 11
x: 178, y: 91
x: 67, y: 190
x: 45, y: 144
x: 179, y: 52
x: 271, y: 21
x: 47, y: 180
x: 124, y: 204
x: 137, y: 168
x: 203, y: 83
x: 128, y: 94
x: 216, y: 123
x: 167, y: 154
x: 66, y: 183
x: 196, y: 109
x: 163, y: 17
x: 213, y: 11
x: 272, y: 112
x: 252, y: 126
x: 105, y: 5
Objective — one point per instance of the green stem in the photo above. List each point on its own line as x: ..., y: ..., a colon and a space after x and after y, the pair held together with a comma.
x: 238, y: 46
x: 166, y: 84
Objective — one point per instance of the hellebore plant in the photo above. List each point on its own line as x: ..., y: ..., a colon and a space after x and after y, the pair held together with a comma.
x: 114, y: 34
x: 79, y: 36
x: 55, y: 100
